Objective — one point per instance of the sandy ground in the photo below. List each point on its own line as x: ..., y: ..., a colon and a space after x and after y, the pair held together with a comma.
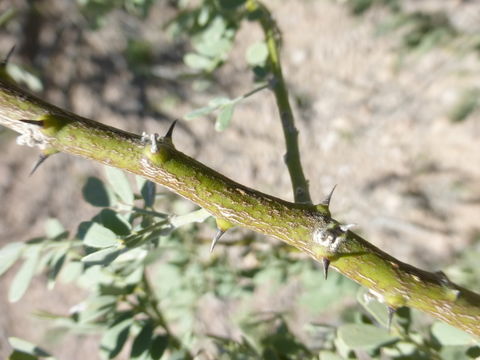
x: 406, y: 175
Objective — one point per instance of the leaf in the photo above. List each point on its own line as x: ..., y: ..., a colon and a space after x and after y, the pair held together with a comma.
x: 198, y: 62
x: 27, y: 347
x: 148, y: 191
x: 449, y: 336
x: 55, y: 267
x: 102, y: 257
x: 158, y: 346
x: 199, y: 112
x: 194, y: 216
x: 257, y: 54
x: 376, y: 309
x: 119, y: 182
x: 364, y: 337
x: 219, y: 102
x: 95, y: 193
x: 224, y: 117
x: 98, y: 236
x: 53, y: 228
x: 115, y: 337
x: 24, y: 276
x: 96, y: 307
x: 9, y: 254
x: 114, y: 222
x: 141, y: 344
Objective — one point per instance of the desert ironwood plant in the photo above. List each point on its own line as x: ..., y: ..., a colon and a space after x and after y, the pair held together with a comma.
x: 146, y: 270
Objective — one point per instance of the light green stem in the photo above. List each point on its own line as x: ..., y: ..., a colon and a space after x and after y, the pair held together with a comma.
x: 292, y: 156
x: 307, y: 227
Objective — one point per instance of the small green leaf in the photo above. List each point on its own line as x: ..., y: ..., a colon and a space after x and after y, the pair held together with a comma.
x: 158, y: 346
x: 198, y: 62
x: 364, y: 337
x: 376, y: 309
x: 95, y: 193
x: 141, y: 344
x: 27, y: 347
x: 114, y: 222
x: 55, y: 267
x: 224, y: 117
x: 102, y: 257
x: 257, y: 54
x: 53, y: 228
x: 449, y: 336
x: 148, y: 191
x: 97, y: 306
x: 98, y: 236
x: 115, y: 337
x: 24, y: 276
x: 119, y: 182
x: 217, y: 102
x: 194, y: 216
x: 9, y: 254
x: 199, y: 112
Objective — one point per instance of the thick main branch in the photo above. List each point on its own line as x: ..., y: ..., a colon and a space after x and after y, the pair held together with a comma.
x: 307, y: 227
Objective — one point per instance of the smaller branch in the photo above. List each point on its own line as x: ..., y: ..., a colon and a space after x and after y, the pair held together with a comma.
x: 301, y: 191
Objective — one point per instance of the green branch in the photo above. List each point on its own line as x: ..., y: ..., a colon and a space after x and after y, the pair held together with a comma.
x: 301, y: 192
x: 307, y: 227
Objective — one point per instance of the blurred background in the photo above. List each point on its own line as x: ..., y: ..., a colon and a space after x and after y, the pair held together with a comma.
x: 385, y: 97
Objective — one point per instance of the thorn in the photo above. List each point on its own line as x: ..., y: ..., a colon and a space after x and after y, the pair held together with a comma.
x: 326, y: 201
x: 33, y: 122
x: 7, y: 58
x: 217, y: 236
x: 326, y: 264
x: 39, y: 162
x: 169, y: 133
x: 391, y: 312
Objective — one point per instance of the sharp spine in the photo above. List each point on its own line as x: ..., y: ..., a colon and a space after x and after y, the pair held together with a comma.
x: 33, y: 122
x: 169, y: 133
x: 217, y: 236
x: 327, y: 199
x: 39, y: 162
x: 326, y: 265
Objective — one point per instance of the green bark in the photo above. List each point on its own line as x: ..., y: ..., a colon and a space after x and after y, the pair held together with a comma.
x: 307, y: 227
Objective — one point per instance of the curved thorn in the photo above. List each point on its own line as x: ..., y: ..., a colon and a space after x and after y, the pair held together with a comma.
x: 327, y: 199
x: 33, y: 122
x: 326, y: 264
x: 39, y: 162
x: 169, y: 133
x: 217, y: 236
x: 7, y: 58
x: 391, y: 312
